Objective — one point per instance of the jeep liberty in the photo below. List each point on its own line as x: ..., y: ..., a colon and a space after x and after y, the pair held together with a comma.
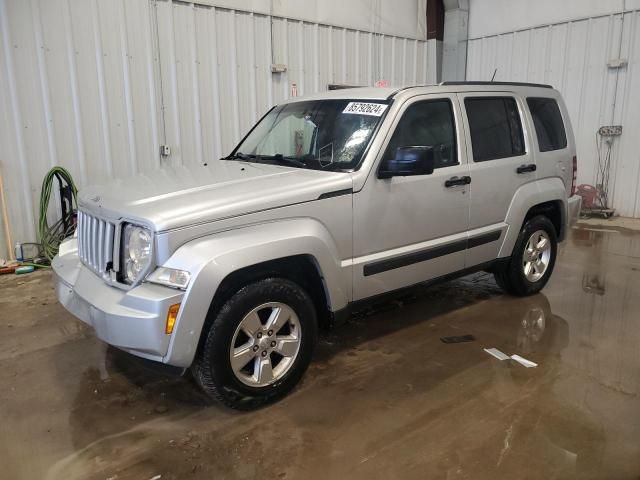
x: 229, y: 267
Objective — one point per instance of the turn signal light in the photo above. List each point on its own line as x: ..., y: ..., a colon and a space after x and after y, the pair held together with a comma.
x: 171, y: 318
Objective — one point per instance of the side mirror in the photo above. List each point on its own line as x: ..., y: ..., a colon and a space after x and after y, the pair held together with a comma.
x: 414, y: 160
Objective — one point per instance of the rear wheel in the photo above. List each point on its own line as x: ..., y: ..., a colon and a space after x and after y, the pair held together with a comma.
x: 259, y: 345
x: 533, y: 258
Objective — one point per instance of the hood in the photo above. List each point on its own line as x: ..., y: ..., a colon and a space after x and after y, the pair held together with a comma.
x: 181, y: 196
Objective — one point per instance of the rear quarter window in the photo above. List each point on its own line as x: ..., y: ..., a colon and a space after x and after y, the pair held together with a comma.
x: 548, y: 124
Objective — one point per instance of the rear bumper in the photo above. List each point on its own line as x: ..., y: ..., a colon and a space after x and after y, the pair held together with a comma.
x: 574, y: 207
x: 132, y: 320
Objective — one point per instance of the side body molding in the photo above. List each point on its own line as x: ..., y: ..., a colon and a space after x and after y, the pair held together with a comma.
x: 212, y: 258
x: 527, y: 196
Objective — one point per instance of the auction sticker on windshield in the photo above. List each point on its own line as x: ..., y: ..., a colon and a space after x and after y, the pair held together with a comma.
x: 359, y: 108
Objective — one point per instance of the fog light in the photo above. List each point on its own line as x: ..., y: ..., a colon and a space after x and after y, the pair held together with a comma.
x: 171, y: 318
x: 170, y: 277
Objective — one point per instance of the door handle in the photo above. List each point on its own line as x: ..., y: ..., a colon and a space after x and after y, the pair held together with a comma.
x: 453, y: 181
x: 526, y: 168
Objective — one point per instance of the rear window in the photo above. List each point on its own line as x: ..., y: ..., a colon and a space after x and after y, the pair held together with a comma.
x: 496, y: 130
x: 548, y: 123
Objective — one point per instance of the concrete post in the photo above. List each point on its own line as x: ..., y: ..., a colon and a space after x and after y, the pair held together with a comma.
x: 456, y: 32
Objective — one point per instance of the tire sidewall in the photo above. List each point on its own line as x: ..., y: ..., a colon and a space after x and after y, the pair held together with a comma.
x: 217, y: 346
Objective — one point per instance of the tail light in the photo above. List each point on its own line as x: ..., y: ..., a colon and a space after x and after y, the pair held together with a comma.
x: 575, y: 175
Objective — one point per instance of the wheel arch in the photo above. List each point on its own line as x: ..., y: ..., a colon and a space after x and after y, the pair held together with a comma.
x: 546, y: 197
x: 553, y: 211
x: 301, y: 250
x: 302, y: 269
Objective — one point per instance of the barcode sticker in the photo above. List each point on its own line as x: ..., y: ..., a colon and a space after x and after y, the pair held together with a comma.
x: 358, y: 108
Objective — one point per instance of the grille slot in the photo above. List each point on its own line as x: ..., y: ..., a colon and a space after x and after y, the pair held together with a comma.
x: 95, y: 242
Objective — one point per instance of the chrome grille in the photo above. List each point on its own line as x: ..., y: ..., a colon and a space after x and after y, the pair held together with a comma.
x: 95, y: 242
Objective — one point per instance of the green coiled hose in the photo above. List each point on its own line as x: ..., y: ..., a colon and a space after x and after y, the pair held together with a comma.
x: 52, y: 235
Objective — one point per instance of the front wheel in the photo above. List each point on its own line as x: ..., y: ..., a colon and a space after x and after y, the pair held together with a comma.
x: 259, y: 344
x: 533, y: 258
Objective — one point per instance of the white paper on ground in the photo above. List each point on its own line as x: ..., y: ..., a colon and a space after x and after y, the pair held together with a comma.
x: 524, y: 361
x: 497, y: 353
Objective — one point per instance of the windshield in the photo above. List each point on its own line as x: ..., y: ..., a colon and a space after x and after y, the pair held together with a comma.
x: 321, y: 134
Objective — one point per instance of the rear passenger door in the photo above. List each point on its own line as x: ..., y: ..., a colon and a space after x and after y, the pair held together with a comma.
x: 500, y: 163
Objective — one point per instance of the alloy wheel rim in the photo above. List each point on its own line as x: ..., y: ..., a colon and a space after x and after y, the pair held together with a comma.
x: 536, y: 256
x: 265, y: 344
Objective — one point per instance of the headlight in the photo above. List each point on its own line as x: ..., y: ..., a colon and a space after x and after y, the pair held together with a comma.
x: 170, y: 277
x: 136, y: 255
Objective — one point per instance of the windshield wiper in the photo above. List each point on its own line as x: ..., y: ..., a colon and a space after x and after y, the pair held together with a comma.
x: 279, y: 158
x: 239, y: 156
x: 276, y: 158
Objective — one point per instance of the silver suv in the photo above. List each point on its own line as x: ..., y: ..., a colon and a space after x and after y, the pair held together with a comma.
x: 229, y: 267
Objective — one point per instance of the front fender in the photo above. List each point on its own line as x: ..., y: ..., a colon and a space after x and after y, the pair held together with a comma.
x: 211, y: 259
x: 527, y: 196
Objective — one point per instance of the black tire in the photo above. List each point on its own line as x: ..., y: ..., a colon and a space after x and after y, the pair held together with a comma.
x: 510, y: 277
x: 212, y: 367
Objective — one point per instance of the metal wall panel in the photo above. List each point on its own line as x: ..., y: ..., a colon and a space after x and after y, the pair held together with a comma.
x: 98, y: 85
x: 315, y: 56
x: 627, y: 112
x: 404, y: 18
x: 573, y: 56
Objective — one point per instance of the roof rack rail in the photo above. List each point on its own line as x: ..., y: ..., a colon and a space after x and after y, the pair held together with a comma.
x: 398, y: 90
x: 516, y: 84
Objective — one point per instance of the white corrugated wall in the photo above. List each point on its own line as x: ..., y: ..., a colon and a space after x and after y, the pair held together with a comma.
x: 572, y: 56
x: 98, y: 85
x: 216, y: 78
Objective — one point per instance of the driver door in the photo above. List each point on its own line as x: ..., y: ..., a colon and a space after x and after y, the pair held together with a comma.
x: 408, y: 229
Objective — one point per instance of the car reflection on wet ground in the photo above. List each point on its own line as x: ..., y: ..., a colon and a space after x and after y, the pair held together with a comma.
x: 384, y: 397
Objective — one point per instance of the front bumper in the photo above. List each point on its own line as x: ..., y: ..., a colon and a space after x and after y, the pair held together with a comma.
x: 574, y: 207
x: 133, y: 320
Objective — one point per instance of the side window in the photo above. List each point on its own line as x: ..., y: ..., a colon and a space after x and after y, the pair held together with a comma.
x: 496, y: 130
x: 547, y: 121
x: 427, y: 123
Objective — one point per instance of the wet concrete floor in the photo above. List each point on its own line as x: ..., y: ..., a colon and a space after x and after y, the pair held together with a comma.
x: 384, y: 398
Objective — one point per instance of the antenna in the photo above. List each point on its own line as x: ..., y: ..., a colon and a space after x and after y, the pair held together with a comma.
x: 494, y: 74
